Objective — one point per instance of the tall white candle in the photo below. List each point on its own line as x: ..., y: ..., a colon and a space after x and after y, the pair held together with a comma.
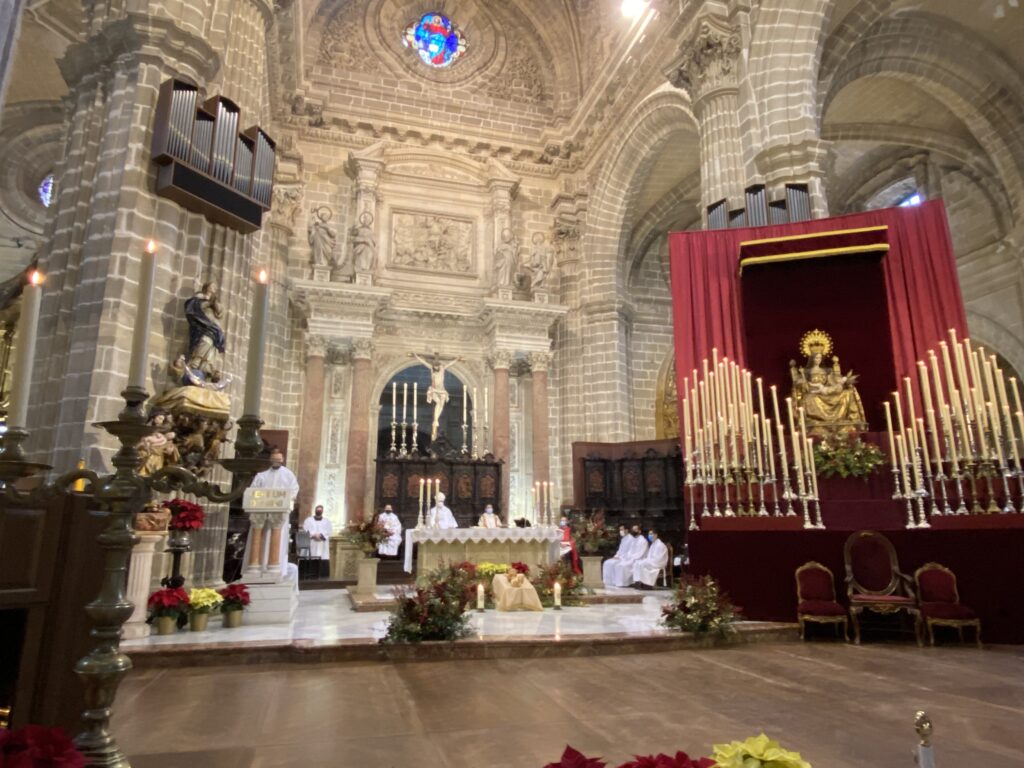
x: 479, y: 597
x: 394, y: 401
x: 257, y: 344
x: 1016, y: 395
x: 415, y: 402
x: 770, y: 448
x: 405, y: 402
x: 888, y: 424
x: 143, y: 315
x: 25, y: 350
x: 464, y: 397
x: 558, y: 594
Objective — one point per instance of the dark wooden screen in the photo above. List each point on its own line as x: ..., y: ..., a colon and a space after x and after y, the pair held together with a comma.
x: 467, y: 485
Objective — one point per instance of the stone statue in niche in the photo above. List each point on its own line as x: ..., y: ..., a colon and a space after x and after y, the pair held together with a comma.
x: 505, y: 256
x: 322, y: 239
x: 432, y: 243
x: 538, y: 263
x: 364, y: 244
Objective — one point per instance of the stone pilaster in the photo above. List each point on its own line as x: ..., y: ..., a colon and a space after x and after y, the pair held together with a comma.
x: 539, y: 362
x: 357, y: 468
x: 311, y: 429
x: 140, y: 574
x: 500, y: 360
x: 707, y: 70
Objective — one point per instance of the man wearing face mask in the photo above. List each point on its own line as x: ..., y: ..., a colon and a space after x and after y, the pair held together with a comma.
x: 618, y: 572
x: 488, y: 519
x: 646, y: 569
x: 279, y: 476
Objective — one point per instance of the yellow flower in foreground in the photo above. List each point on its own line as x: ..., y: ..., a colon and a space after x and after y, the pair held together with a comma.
x: 756, y: 752
x: 204, y: 600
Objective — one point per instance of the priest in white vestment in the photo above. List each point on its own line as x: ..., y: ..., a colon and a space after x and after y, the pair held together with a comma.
x: 389, y: 520
x: 646, y: 570
x: 625, y: 542
x: 618, y: 572
x: 279, y: 476
x: 320, y: 530
x: 440, y: 516
x: 488, y: 519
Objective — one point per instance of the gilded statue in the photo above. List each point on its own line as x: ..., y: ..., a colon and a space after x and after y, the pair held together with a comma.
x: 830, y: 400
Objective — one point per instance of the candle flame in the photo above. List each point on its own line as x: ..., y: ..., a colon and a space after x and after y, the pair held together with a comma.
x: 151, y: 247
x: 263, y: 276
x: 36, y: 277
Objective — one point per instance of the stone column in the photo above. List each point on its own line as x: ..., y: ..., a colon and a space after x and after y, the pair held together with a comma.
x: 539, y: 362
x: 808, y: 162
x: 358, y: 430
x: 707, y: 71
x: 312, y: 424
x: 500, y: 360
x: 140, y: 573
x: 254, y: 559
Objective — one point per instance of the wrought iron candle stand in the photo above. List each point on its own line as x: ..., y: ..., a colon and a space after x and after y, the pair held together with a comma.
x: 394, y: 428
x: 123, y: 493
x: 465, y: 439
x: 920, y: 493
x: 402, y: 450
x: 178, y: 543
x: 726, y: 481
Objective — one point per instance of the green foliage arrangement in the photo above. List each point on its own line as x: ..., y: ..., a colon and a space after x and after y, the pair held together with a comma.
x: 846, y: 456
x: 701, y: 607
x: 437, y: 610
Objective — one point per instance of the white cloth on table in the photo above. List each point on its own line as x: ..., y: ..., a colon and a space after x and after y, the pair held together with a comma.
x: 319, y: 550
x: 546, y: 534
x: 646, y: 570
x: 441, y: 517
x: 280, y: 478
x: 393, y: 526
x: 489, y: 520
x: 618, y: 572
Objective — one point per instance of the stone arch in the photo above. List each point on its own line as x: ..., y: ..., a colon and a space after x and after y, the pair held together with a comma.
x: 668, y: 213
x: 916, y: 48
x: 996, y: 338
x: 633, y: 151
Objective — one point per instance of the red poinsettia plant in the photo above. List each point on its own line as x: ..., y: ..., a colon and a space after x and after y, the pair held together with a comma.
x: 170, y: 601
x: 522, y: 568
x: 236, y: 597
x: 36, y: 746
x: 572, y: 758
x: 185, y: 515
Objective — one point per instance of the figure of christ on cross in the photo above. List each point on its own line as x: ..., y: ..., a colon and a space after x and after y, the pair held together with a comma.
x: 437, y: 395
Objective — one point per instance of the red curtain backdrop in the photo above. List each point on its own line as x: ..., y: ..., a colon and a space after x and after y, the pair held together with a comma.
x: 921, y: 284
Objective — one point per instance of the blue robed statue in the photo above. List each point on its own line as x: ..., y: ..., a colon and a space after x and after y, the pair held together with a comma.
x: 205, y: 336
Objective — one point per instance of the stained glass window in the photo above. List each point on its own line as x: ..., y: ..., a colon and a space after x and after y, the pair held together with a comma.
x: 914, y: 199
x: 436, y: 39
x: 46, y: 191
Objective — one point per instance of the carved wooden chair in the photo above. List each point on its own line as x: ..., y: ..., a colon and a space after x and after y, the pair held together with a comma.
x: 874, y: 581
x: 666, y: 572
x: 816, y: 599
x: 940, y: 603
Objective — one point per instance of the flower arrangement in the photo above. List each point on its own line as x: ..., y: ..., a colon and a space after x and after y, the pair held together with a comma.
x: 185, y: 515
x: 846, y: 455
x: 35, y: 746
x: 701, y: 607
x: 756, y: 752
x: 170, y: 602
x: 366, y: 535
x: 490, y: 570
x: 437, y: 610
x: 204, y: 600
x: 590, y: 533
x: 522, y: 568
x: 235, y: 597
x: 560, y: 571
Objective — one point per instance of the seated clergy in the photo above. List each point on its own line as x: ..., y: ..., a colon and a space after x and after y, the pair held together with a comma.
x: 618, y: 572
x: 646, y: 569
x: 625, y: 542
x: 488, y: 519
x: 440, y: 516
x: 389, y: 520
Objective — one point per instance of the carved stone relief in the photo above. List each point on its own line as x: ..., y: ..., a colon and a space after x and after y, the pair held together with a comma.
x: 431, y: 243
x: 334, y: 438
x: 344, y: 44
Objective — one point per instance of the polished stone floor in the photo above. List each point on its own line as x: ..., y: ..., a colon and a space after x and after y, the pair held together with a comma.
x: 325, y: 617
x: 841, y: 706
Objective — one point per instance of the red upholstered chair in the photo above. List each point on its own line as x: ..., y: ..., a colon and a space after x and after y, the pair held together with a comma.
x: 940, y: 602
x: 874, y: 581
x: 816, y: 598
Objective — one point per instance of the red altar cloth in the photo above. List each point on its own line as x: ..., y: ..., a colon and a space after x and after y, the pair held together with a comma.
x: 757, y: 568
x: 921, y: 286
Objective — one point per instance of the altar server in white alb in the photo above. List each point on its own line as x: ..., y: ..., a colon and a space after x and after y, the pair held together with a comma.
x: 320, y: 530
x: 389, y: 520
x: 279, y: 477
x: 488, y: 519
x: 440, y: 516
x: 618, y: 572
x: 646, y: 570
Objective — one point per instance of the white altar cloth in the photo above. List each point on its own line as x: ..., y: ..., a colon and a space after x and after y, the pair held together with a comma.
x: 552, y: 535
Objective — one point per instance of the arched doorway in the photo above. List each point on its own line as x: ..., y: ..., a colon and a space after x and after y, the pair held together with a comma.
x: 405, y: 395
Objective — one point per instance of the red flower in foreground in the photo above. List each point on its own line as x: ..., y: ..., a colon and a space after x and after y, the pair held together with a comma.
x: 681, y: 760
x: 573, y: 759
x: 236, y: 593
x: 35, y: 746
x: 185, y: 515
x: 169, y: 598
x: 522, y: 568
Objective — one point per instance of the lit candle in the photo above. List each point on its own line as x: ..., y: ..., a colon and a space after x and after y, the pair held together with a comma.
x: 422, y: 484
x: 25, y: 350
x: 558, y: 594
x: 479, y: 597
x: 405, y: 402
x: 888, y: 424
x: 257, y: 338
x: 464, y: 421
x: 394, y: 401
x: 143, y: 314
x: 415, y: 402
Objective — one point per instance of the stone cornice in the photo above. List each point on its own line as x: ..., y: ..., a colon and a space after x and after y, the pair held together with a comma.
x: 338, y: 310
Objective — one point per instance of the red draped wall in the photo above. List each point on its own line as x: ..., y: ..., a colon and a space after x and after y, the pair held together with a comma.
x: 921, y: 284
